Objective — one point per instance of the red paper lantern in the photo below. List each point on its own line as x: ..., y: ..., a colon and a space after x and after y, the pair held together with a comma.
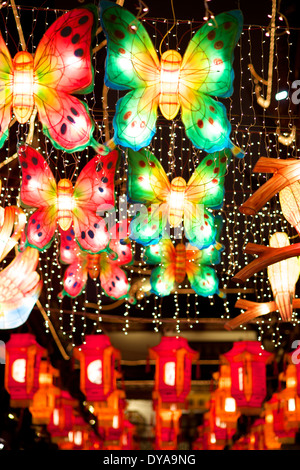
x: 173, y: 369
x: 248, y: 374
x: 97, y: 367
x: 167, y: 428
x: 23, y: 357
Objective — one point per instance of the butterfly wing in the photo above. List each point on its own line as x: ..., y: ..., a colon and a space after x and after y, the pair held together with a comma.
x: 207, y: 70
x: 94, y: 195
x: 38, y: 189
x: 113, y: 279
x: 20, y: 287
x: 131, y: 63
x: 62, y: 66
x: 69, y: 249
x: 203, y: 279
x: 6, y: 90
x: 152, y: 254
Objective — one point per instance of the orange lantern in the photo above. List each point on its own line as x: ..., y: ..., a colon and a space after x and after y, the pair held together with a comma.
x: 173, y: 369
x: 43, y: 402
x: 23, y: 357
x: 248, y: 362
x: 257, y: 435
x: 97, y: 367
x: 167, y: 428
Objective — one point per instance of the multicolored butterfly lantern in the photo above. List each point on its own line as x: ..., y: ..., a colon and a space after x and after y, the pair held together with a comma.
x: 60, y: 67
x: 177, y: 262
x: 161, y: 202
x: 105, y: 265
x: 174, y: 83
x: 61, y: 204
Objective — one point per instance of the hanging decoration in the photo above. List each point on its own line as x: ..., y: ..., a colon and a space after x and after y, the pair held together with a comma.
x: 248, y: 363
x: 175, y: 83
x: 97, y: 367
x: 173, y: 369
x: 177, y: 262
x: 61, y: 204
x: 164, y: 202
x: 283, y: 277
x: 62, y: 417
x: 20, y: 288
x: 60, y: 67
x: 22, y: 364
x: 105, y: 265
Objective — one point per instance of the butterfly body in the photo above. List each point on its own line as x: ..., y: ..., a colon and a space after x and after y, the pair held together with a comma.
x: 105, y: 265
x: 169, y: 101
x: 23, y: 81
x: 65, y: 203
x: 180, y: 263
x: 176, y: 201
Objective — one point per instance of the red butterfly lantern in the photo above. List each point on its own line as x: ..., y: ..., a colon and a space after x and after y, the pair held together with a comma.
x: 23, y: 357
x: 64, y: 205
x: 60, y: 67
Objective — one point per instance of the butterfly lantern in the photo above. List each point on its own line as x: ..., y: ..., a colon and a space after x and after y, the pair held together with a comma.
x: 47, y: 80
x: 174, y: 83
x: 105, y: 265
x: 160, y: 201
x: 61, y: 204
x: 178, y: 262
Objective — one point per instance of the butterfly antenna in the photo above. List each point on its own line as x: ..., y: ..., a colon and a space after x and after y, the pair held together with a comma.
x: 170, y: 29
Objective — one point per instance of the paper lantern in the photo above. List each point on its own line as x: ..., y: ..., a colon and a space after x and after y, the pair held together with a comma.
x: 61, y: 421
x: 20, y: 287
x: 283, y: 277
x: 174, y: 202
x: 61, y: 204
x: 22, y: 367
x: 110, y: 419
x: 257, y: 435
x: 60, y: 67
x: 248, y: 363
x: 43, y: 402
x: 97, y: 367
x: 173, y: 369
x: 173, y: 83
x: 106, y: 265
x: 289, y: 198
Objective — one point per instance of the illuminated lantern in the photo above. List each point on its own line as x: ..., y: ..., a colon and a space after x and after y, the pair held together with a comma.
x: 61, y: 421
x: 178, y: 262
x: 127, y: 438
x: 280, y: 415
x: 105, y: 265
x: 60, y: 67
x: 176, y: 201
x: 43, y: 402
x: 173, y: 369
x: 257, y: 435
x: 248, y: 362
x: 289, y: 198
x: 97, y: 367
x: 223, y: 409
x: 61, y: 204
x: 22, y: 367
x: 173, y: 83
x: 79, y: 434
x: 283, y: 277
x: 110, y: 419
x: 167, y: 428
